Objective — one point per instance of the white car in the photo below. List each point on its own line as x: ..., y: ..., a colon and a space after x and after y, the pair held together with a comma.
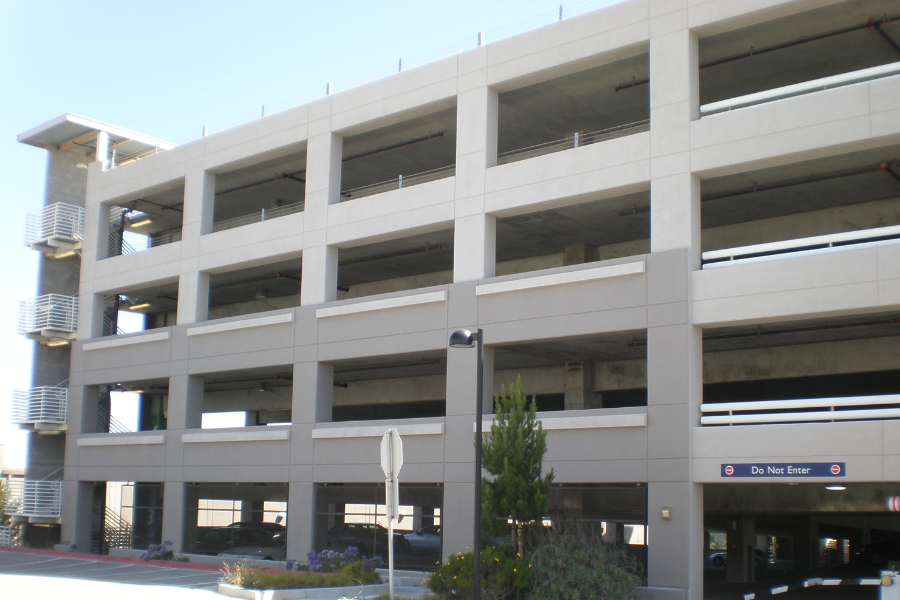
x: 426, y: 540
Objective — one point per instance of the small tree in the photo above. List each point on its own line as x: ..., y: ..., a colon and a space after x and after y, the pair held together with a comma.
x: 4, y: 518
x: 516, y: 494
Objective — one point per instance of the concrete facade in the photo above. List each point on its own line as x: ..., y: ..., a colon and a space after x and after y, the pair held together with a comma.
x: 656, y: 288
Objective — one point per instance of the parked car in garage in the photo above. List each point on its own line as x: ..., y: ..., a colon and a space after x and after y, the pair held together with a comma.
x: 880, y: 553
x: 220, y: 539
x: 426, y: 540
x: 272, y: 547
x: 369, y: 538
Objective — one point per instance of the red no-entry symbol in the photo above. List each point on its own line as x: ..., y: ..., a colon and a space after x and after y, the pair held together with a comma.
x: 835, y: 469
x: 729, y: 470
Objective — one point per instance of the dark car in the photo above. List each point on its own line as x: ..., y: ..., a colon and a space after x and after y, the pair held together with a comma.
x: 272, y: 547
x: 367, y: 537
x: 719, y: 558
x: 220, y: 539
x: 879, y: 553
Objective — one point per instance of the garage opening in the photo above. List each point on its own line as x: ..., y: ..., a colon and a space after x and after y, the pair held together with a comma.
x: 832, y: 46
x: 260, y: 192
x: 819, y: 206
x: 255, y: 289
x: 603, y: 371
x: 400, y: 386
x: 574, y: 234
x: 763, y: 534
x: 126, y: 514
x: 813, y: 370
x: 242, y: 520
x: 130, y: 406
x: 354, y: 515
x: 146, y: 222
x: 140, y: 309
x: 578, y: 109
x: 407, y: 263
x: 415, y: 151
x: 248, y: 398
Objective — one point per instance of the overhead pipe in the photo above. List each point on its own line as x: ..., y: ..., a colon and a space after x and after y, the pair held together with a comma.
x: 430, y: 136
x: 362, y: 259
x: 889, y: 168
x: 874, y: 24
x: 759, y: 333
x: 292, y: 175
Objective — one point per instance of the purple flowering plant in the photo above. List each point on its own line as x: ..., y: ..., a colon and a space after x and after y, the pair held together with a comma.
x: 329, y: 561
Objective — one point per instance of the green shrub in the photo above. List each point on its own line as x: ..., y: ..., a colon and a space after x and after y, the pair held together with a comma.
x: 502, y: 576
x: 579, y: 566
x: 241, y: 574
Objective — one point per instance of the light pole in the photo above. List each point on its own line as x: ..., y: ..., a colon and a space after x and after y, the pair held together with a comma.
x: 463, y: 338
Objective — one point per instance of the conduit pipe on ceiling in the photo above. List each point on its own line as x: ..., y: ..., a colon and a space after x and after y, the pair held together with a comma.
x: 872, y: 23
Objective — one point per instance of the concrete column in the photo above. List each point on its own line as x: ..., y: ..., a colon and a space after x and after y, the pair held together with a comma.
x: 76, y: 519
x: 578, y: 254
x: 320, y: 266
x: 741, y: 540
x: 199, y: 204
x: 674, y: 349
x: 579, y: 390
x: 313, y: 392
x: 674, y: 103
x: 457, y: 515
x: 301, y: 519
x: 474, y: 245
x: 173, y: 514
x: 185, y: 402
x: 193, y: 297
x: 85, y: 397
x: 323, y: 188
x: 102, y: 155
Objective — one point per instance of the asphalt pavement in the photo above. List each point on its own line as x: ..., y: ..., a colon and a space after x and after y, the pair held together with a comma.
x: 39, y: 576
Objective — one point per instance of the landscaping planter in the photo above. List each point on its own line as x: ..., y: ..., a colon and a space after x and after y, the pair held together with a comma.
x: 329, y: 593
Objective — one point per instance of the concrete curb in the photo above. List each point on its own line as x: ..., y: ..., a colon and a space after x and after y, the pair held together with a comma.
x: 114, y: 559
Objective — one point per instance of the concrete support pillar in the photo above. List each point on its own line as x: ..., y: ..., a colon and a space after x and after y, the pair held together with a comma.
x: 323, y: 188
x: 579, y: 390
x: 302, y: 518
x: 173, y: 514
x: 87, y: 397
x: 806, y: 544
x: 474, y: 247
x: 674, y: 103
x: 457, y: 515
x: 320, y: 266
x: 313, y: 392
x: 474, y: 244
x: 578, y: 254
x: 78, y: 500
x: 199, y: 204
x: 185, y: 402
x: 102, y: 154
x: 193, y: 297
x: 674, y: 349
x: 741, y: 540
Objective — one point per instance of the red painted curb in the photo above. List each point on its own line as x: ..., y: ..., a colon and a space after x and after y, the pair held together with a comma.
x: 114, y: 559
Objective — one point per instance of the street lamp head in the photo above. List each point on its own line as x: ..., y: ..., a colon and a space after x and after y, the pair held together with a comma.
x: 462, y: 338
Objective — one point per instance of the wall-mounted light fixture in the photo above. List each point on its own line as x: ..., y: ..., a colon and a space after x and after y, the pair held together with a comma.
x: 665, y: 513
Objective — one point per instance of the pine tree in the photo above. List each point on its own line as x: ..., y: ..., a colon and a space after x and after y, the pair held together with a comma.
x: 516, y: 494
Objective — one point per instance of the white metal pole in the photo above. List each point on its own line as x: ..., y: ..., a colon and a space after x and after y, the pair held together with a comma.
x: 391, y: 550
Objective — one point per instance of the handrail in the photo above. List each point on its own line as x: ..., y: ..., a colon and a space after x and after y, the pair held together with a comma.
x: 792, y: 411
x: 55, y: 221
x: 576, y: 141
x: 52, y: 311
x: 36, y: 498
x: 258, y: 217
x: 399, y: 182
x: 849, y: 238
x: 39, y: 405
x: 798, y: 89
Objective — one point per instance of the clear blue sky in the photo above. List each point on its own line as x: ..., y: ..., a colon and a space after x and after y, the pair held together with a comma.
x: 166, y: 68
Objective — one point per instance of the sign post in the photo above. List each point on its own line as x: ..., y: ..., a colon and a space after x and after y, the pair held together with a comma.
x: 391, y: 461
